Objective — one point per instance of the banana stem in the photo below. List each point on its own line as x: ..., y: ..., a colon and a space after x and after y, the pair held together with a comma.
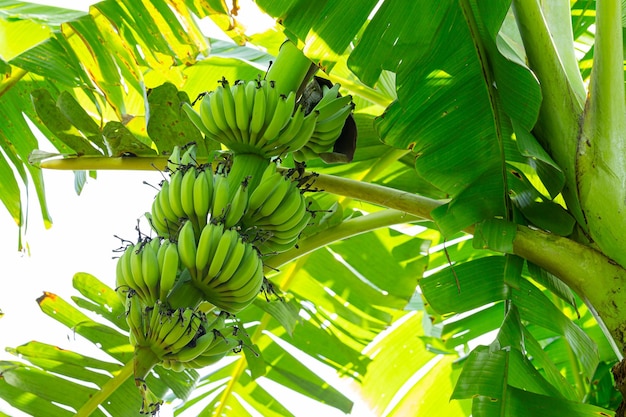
x: 290, y: 69
x: 106, y: 390
x: 247, y: 165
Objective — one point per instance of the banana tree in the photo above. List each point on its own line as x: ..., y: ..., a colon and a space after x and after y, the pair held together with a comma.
x: 483, y: 198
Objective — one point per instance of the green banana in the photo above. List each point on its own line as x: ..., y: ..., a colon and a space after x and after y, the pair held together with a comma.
x: 246, y: 269
x: 207, y: 117
x: 163, y: 198
x: 291, y: 130
x: 271, y: 99
x: 150, y: 271
x: 175, y: 194
x: 282, y: 115
x: 224, y: 247
x: 228, y: 106
x: 305, y: 135
x: 187, y: 247
x: 173, y: 162
x: 262, y: 192
x: 128, y: 271
x: 335, y: 121
x: 169, y: 320
x: 209, y: 237
x: 242, y: 111
x: 122, y: 284
x: 272, y: 203
x: 221, y: 197
x: 189, y: 157
x: 217, y: 111
x: 257, y: 118
x: 232, y: 261
x: 134, y: 318
x: 292, y: 206
x: 238, y: 205
x: 169, y: 269
x: 190, y: 334
x: 203, y: 195
x: 182, y: 331
x: 137, y: 274
x: 193, y: 349
x: 187, y: 187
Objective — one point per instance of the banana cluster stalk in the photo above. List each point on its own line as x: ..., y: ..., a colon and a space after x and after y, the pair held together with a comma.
x: 277, y: 213
x: 252, y: 117
x: 227, y: 270
x: 333, y: 110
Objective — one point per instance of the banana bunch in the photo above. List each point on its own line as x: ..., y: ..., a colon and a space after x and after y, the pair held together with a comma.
x: 148, y: 269
x: 227, y: 270
x: 197, y: 194
x: 333, y: 110
x: 277, y: 213
x: 206, y: 349
x: 172, y: 337
x: 251, y: 117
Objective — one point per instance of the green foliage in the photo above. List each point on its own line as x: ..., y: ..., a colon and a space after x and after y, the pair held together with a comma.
x: 454, y: 103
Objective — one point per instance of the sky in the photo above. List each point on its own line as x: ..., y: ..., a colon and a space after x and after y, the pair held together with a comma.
x: 82, y: 239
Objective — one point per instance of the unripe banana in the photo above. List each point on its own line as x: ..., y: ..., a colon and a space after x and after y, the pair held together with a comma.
x: 187, y: 247
x: 137, y: 273
x: 257, y: 119
x: 207, y: 117
x: 231, y: 262
x: 189, y: 156
x: 187, y: 187
x: 153, y: 317
x: 163, y: 198
x: 150, y: 272
x: 271, y: 99
x: 204, y: 251
x: 194, y: 349
x: 182, y: 331
x: 272, y: 202
x: 224, y: 247
x: 203, y: 195
x: 242, y: 111
x: 238, y: 205
x: 246, y: 270
x: 217, y: 111
x: 169, y: 270
x: 191, y: 332
x: 228, y: 105
x: 292, y: 205
x: 282, y: 115
x: 169, y: 321
x: 262, y: 192
x: 155, y: 219
x: 134, y: 318
x: 305, y: 134
x: 291, y: 130
x: 221, y: 197
x: 128, y: 270
x: 175, y: 194
x: 335, y: 121
x: 122, y: 284
x: 173, y: 162
x: 245, y: 294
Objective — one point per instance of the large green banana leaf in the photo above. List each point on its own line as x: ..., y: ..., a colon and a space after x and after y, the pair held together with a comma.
x: 446, y: 107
